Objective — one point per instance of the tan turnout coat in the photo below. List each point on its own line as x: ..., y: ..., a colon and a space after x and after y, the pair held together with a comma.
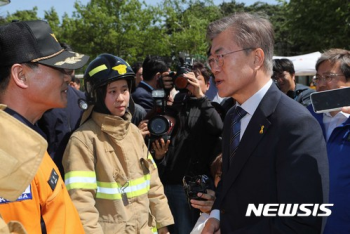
x: 112, y: 179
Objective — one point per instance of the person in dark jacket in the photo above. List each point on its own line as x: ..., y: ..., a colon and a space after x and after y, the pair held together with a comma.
x: 153, y: 69
x: 190, y: 151
x: 137, y: 68
x: 284, y: 76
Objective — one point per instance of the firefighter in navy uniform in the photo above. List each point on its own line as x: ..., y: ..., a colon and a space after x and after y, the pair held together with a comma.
x: 33, y: 79
x: 110, y: 175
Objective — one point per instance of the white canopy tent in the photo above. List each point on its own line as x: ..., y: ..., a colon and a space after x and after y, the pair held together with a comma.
x: 304, y: 65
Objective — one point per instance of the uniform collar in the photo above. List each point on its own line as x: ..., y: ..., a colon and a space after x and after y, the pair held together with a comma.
x: 114, y: 126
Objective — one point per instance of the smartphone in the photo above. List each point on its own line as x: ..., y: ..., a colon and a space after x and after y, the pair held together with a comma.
x: 330, y: 100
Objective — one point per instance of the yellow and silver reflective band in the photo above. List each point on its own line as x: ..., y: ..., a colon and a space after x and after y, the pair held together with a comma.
x: 154, y: 230
x: 107, y: 190
x: 151, y: 159
x: 114, y: 191
x: 80, y: 180
x: 98, y: 69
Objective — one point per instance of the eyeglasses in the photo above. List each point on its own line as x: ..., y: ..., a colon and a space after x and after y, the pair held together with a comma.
x: 218, y: 60
x: 327, y: 77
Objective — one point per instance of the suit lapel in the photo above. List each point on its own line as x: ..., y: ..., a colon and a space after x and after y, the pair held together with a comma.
x: 257, y: 128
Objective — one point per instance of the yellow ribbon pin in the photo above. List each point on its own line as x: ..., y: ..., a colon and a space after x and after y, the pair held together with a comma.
x: 262, y: 129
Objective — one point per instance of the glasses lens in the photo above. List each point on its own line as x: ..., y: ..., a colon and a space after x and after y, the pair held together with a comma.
x: 220, y: 60
x: 277, y: 76
x: 211, y: 63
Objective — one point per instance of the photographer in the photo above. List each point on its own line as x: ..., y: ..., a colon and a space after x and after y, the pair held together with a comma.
x: 190, y: 149
x: 153, y: 69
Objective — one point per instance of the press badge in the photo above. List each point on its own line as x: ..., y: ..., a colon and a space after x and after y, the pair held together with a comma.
x: 26, y: 195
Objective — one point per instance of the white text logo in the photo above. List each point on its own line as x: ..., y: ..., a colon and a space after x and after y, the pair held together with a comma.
x: 288, y: 210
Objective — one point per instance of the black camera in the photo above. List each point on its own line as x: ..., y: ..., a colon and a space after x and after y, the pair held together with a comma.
x: 160, y: 126
x: 194, y: 185
x: 179, y: 81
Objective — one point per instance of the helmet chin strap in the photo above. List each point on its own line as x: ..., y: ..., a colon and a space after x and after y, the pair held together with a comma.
x: 131, y: 106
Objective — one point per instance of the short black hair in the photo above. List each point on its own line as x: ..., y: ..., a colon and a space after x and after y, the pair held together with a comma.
x: 152, y: 65
x: 76, y: 80
x: 281, y: 65
x: 136, y: 66
x: 201, y: 69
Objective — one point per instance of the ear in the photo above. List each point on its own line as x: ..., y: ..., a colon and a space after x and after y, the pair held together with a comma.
x: 259, y: 57
x: 158, y: 75
x: 18, y: 75
x: 293, y: 76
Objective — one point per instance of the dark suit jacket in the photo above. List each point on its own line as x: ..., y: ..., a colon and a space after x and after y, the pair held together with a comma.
x: 143, y: 96
x: 286, y: 162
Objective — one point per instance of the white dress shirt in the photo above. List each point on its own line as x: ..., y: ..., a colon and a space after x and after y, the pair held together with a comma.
x: 331, y: 122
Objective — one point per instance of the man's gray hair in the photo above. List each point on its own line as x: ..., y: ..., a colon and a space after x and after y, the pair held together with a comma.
x: 248, y: 31
x: 334, y: 56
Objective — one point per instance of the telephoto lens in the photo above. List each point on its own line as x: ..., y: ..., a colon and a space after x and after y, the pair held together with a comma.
x: 159, y: 125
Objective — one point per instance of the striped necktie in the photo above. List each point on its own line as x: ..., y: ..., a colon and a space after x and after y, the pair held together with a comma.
x: 238, y: 114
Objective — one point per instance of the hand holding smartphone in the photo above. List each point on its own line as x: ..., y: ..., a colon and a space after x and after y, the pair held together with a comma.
x: 330, y: 100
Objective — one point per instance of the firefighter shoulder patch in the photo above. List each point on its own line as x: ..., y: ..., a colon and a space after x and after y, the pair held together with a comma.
x: 53, y: 179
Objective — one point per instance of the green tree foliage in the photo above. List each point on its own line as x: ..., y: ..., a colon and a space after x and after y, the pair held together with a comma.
x: 132, y: 29
x: 23, y: 15
x: 228, y: 8
x: 122, y: 27
x: 186, y: 27
x: 52, y: 18
x: 317, y: 25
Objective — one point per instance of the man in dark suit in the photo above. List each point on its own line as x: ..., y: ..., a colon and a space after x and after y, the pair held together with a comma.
x: 279, y: 159
x: 153, y: 69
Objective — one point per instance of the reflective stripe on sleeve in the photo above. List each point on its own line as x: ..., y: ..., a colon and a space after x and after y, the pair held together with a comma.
x: 151, y: 159
x: 80, y: 180
x: 107, y: 190
x: 133, y: 188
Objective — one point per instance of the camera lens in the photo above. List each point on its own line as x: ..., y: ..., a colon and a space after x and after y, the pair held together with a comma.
x: 181, y: 82
x: 158, y: 125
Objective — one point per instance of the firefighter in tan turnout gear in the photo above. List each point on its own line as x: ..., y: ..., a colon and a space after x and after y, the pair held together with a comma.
x: 34, y: 76
x: 110, y: 175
